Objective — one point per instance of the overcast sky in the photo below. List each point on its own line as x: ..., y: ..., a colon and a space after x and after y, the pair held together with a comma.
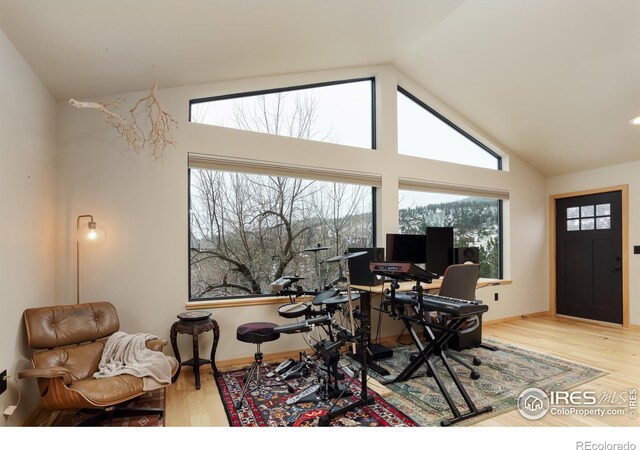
x: 344, y: 115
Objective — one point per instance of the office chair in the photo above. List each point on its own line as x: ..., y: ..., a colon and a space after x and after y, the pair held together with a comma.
x: 459, y: 281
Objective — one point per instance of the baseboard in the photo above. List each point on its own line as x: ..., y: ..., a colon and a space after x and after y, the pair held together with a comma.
x: 512, y: 318
x: 634, y: 327
x: 269, y: 357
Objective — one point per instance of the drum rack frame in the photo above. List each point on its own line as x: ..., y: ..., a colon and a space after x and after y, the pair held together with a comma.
x: 364, y: 338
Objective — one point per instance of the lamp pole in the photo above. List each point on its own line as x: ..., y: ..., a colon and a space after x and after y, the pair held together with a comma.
x: 92, y: 225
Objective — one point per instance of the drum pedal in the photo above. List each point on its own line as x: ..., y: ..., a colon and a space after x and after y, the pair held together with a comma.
x: 295, y: 371
x: 307, y: 395
x: 284, y: 366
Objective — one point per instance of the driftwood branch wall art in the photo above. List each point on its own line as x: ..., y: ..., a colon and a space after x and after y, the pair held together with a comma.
x: 145, y: 125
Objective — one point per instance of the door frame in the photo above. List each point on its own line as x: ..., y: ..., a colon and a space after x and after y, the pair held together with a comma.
x: 624, y: 190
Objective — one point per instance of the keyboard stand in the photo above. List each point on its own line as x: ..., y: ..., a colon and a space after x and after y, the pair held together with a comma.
x: 488, y: 347
x: 435, y: 347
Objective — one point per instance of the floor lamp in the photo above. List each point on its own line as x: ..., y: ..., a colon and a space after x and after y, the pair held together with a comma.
x: 87, y: 233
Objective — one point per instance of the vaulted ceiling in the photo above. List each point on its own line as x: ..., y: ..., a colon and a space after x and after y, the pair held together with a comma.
x: 553, y: 81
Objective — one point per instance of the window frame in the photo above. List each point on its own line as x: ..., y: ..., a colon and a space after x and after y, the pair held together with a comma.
x: 500, y: 239
x: 251, y: 298
x: 455, y: 127
x: 472, y: 194
x: 301, y: 87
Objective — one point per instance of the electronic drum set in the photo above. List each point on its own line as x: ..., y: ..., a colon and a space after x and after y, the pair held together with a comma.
x: 329, y: 320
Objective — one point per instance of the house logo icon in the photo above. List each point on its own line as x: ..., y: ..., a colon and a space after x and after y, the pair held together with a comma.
x: 533, y: 403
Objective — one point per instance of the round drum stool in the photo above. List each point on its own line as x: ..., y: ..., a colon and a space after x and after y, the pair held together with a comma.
x: 257, y: 333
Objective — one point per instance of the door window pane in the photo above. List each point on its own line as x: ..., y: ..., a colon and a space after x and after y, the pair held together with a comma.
x: 573, y: 225
x: 603, y: 210
x: 573, y: 213
x: 603, y: 223
x: 586, y: 224
x: 586, y: 211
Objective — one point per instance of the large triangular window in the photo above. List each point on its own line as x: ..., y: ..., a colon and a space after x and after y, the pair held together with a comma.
x: 425, y: 133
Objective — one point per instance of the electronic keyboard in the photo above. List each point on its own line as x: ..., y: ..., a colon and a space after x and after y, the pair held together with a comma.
x: 446, y: 305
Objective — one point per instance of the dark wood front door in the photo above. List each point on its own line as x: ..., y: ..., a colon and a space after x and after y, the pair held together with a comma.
x: 589, y: 256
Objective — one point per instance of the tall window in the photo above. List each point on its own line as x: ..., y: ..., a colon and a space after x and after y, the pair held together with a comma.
x: 424, y: 133
x: 248, y: 230
x: 339, y: 112
x: 476, y: 222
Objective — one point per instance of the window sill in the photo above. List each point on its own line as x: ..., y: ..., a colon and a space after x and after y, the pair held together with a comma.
x: 233, y: 303
x: 256, y: 301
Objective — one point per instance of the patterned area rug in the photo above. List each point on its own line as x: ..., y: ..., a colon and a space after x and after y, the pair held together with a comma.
x: 504, y: 374
x: 152, y: 399
x: 267, y: 407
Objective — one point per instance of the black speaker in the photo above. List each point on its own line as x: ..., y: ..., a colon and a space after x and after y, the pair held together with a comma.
x: 359, y: 271
x: 463, y: 255
x: 439, y: 249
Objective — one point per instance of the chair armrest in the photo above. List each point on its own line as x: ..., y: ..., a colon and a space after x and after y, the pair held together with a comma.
x: 49, y: 372
x: 156, y: 344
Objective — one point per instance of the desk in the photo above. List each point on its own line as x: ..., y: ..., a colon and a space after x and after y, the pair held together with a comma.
x: 434, y: 285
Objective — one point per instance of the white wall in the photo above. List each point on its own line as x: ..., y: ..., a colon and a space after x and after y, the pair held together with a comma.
x: 142, y: 267
x: 612, y: 176
x: 27, y: 226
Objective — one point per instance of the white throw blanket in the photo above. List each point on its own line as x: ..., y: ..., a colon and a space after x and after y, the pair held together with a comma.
x: 127, y: 354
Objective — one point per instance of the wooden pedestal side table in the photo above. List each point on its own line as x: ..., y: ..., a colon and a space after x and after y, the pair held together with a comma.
x: 195, y: 323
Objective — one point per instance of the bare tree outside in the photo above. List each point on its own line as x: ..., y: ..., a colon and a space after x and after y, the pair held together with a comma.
x: 248, y: 230
x: 294, y: 114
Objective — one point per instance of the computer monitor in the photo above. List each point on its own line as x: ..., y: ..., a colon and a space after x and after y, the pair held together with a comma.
x: 439, y: 249
x: 407, y: 247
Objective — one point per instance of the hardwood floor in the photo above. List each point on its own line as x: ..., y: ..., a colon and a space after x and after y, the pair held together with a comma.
x: 613, y: 349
